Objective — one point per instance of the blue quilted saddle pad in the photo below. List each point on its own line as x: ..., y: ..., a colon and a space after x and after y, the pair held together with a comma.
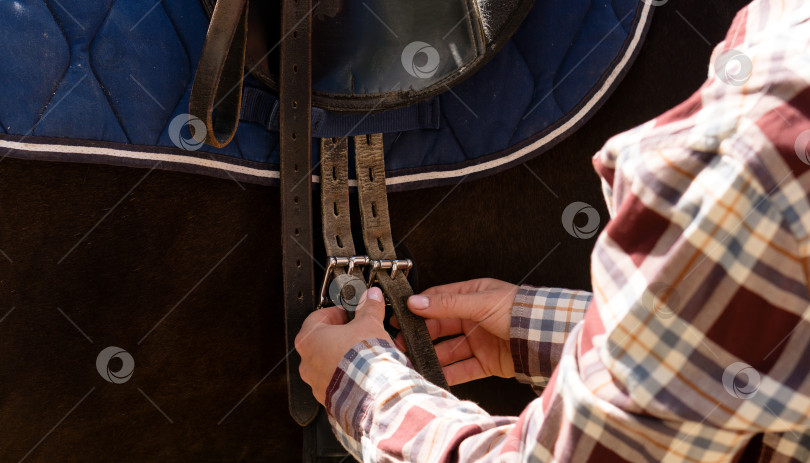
x: 102, y: 81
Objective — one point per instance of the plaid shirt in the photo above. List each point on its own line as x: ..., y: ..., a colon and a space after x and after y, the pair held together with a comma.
x: 695, y: 344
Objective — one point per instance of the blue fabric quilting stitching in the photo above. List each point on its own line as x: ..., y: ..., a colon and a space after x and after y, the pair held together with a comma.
x: 455, y: 140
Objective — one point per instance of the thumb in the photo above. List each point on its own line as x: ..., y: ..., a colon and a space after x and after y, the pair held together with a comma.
x: 450, y: 305
x: 371, y: 305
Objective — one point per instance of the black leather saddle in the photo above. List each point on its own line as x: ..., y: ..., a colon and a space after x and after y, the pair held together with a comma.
x: 369, y: 56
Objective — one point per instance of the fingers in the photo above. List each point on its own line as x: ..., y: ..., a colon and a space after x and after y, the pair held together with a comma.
x: 464, y: 371
x: 334, y: 315
x: 457, y: 360
x: 490, y: 305
x: 453, y: 350
x: 450, y: 305
x: 469, y: 287
x: 399, y: 341
x: 327, y: 316
x: 461, y: 287
x: 438, y: 328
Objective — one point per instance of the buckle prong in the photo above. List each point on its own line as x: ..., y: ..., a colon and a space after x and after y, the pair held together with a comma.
x: 350, y: 263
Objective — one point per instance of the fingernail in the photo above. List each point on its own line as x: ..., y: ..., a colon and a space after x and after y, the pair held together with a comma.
x: 374, y: 294
x: 418, y: 302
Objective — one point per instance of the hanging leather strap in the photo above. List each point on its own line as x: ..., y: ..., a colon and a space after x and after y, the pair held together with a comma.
x: 380, y: 245
x: 296, y: 192
x: 335, y: 215
x: 320, y: 444
x: 218, y: 82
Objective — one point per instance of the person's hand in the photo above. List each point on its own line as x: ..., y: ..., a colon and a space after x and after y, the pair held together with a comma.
x: 325, y: 338
x: 480, y: 311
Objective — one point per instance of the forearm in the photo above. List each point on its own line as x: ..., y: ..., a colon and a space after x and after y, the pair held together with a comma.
x: 375, y: 389
x: 383, y: 410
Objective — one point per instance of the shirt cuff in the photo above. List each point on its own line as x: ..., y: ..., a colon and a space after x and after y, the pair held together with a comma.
x: 372, y: 370
x: 542, y: 318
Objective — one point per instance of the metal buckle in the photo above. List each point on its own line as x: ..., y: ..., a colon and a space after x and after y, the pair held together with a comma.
x: 336, y: 262
x: 395, y: 265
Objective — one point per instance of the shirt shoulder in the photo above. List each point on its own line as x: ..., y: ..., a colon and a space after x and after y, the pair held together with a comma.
x: 746, y: 128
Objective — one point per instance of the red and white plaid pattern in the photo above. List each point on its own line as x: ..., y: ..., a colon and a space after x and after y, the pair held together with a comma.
x: 695, y: 345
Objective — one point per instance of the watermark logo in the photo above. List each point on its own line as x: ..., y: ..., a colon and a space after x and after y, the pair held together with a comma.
x: 420, y: 60
x: 103, y: 365
x: 661, y: 300
x: 570, y: 214
x: 741, y: 380
x: 733, y: 67
x: 196, y: 131
x: 346, y: 290
x: 801, y: 146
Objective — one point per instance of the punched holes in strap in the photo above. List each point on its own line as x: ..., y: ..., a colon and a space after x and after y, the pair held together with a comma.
x: 336, y: 224
x: 379, y: 244
x: 296, y: 195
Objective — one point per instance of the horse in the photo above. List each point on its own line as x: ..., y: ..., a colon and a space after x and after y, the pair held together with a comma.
x: 183, y: 273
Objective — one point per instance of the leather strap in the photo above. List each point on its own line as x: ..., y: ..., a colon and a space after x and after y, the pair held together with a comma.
x: 320, y: 443
x: 261, y: 107
x: 218, y: 82
x: 296, y: 192
x: 380, y: 245
x: 335, y: 215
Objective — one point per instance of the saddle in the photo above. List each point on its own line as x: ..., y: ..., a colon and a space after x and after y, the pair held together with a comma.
x: 374, y: 59
x: 122, y: 83
x: 110, y: 88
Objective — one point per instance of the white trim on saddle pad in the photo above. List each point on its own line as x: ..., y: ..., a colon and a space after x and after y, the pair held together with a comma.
x: 217, y: 165
x: 557, y: 135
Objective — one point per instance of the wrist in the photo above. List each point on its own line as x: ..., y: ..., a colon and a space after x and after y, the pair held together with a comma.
x: 357, y: 380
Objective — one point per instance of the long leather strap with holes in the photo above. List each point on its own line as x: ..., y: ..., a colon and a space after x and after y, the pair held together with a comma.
x: 335, y: 216
x: 380, y: 245
x: 218, y: 82
x: 319, y: 442
x: 296, y: 192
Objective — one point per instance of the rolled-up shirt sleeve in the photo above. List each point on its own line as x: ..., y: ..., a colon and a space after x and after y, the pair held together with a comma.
x: 542, y: 319
x: 695, y: 338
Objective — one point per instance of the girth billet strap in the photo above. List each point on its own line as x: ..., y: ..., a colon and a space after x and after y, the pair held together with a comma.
x: 379, y: 244
x: 335, y: 215
x: 296, y: 191
x: 320, y: 445
x: 218, y: 82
